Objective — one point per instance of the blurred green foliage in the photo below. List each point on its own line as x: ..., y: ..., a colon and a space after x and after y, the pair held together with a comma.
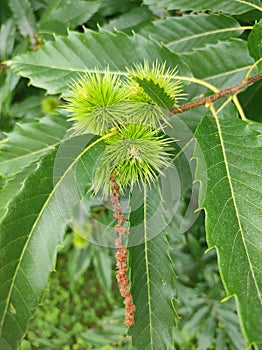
x: 77, y: 314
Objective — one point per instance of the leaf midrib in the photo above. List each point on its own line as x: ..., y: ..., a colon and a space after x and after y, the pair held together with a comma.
x: 147, y: 270
x: 62, y: 68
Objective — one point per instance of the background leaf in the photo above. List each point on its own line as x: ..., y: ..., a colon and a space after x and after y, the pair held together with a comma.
x: 132, y: 20
x: 29, y: 108
x: 8, y: 84
x: 102, y: 262
x: 68, y: 14
x: 7, y: 39
x: 233, y: 203
x: 51, y: 69
x: 113, y: 7
x: 24, y: 16
x: 255, y: 44
x: 251, y: 101
x: 233, y: 6
x: 217, y: 64
x: 182, y: 34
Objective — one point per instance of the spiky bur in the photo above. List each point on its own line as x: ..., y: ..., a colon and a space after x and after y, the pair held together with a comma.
x: 136, y: 153
x: 155, y: 90
x: 121, y: 254
x: 97, y: 102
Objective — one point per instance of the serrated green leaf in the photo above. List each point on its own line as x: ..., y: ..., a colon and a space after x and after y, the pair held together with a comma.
x: 30, y: 235
x: 156, y: 93
x: 68, y: 13
x: 233, y: 204
x: 28, y: 142
x: 152, y: 277
x: 132, y: 20
x: 232, y: 7
x: 56, y: 64
x: 32, y: 231
x: 182, y: 34
x: 24, y: 16
x: 222, y: 64
x: 255, y: 44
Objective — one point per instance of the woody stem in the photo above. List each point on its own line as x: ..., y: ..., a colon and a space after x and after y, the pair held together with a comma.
x: 232, y: 90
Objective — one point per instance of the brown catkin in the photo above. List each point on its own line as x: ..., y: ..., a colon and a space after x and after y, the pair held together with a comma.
x: 121, y: 253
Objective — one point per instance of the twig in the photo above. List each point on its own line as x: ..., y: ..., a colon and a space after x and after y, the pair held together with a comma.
x: 232, y: 90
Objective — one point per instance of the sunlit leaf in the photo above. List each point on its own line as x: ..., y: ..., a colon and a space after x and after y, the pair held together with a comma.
x: 51, y: 68
x: 233, y: 204
x: 233, y: 6
x: 182, y: 34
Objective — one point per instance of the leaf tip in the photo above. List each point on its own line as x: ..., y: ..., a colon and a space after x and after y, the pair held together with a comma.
x: 226, y: 298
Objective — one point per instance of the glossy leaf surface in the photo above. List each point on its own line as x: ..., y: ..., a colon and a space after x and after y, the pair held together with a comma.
x: 233, y: 206
x: 50, y: 67
x: 182, y: 34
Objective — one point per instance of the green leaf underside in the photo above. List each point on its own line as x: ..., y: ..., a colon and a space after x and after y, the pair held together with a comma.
x: 232, y: 6
x: 50, y: 67
x: 156, y: 93
x: 24, y: 16
x: 29, y: 141
x: 31, y: 233
x: 184, y: 33
x: 152, y: 281
x: 233, y: 204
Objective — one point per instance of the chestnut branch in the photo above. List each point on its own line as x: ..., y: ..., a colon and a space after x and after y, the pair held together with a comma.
x: 232, y: 90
